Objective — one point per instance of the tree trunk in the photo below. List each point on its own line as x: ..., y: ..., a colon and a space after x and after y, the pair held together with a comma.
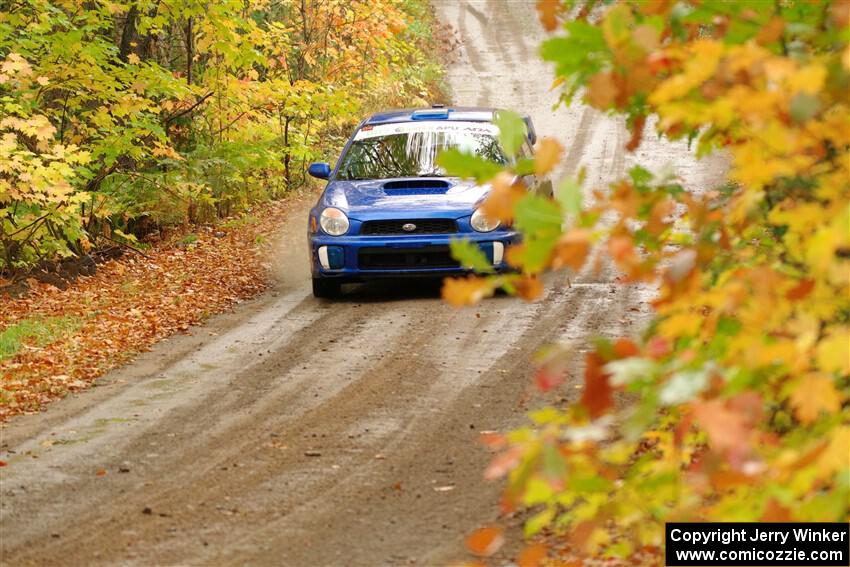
x: 189, y: 51
x: 128, y: 34
x: 287, y: 158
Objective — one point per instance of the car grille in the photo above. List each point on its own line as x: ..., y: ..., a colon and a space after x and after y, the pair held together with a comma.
x: 423, y: 226
x: 406, y: 258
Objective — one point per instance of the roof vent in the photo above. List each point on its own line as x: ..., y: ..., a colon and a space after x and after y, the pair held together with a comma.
x: 430, y: 114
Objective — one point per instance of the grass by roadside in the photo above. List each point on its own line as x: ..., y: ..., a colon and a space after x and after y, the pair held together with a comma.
x: 53, y: 342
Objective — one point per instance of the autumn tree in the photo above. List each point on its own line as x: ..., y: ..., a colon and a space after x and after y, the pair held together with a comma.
x: 739, y: 385
x: 118, y: 118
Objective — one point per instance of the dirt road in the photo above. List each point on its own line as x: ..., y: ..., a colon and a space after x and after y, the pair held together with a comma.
x: 299, y: 432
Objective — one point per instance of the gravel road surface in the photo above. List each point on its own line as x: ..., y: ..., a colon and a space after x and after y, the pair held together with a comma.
x: 303, y: 433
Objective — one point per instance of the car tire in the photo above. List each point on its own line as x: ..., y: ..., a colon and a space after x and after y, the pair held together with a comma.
x: 325, y: 289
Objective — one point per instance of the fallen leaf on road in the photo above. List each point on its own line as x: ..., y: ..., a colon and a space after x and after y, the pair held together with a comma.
x: 485, y: 541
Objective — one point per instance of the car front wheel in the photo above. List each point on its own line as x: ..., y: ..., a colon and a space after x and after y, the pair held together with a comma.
x: 325, y: 289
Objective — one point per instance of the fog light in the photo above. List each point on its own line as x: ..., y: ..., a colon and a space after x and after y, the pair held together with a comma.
x: 498, y: 253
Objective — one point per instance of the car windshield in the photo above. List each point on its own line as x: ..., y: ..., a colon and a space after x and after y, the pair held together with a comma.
x: 410, y: 149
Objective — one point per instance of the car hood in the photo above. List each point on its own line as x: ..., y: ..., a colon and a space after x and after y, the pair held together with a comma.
x: 401, y: 198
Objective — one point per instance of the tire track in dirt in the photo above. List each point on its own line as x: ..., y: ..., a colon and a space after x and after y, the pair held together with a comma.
x: 308, y: 433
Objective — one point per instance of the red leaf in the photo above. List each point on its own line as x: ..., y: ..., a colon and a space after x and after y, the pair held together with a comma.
x: 548, y: 377
x: 801, y: 290
x: 596, y: 396
x: 637, y: 133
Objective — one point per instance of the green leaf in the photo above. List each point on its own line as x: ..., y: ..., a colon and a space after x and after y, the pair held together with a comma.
x: 470, y: 255
x: 466, y: 165
x: 535, y: 253
x: 535, y: 214
x: 569, y: 195
x: 589, y: 484
x: 803, y: 107
x: 578, y: 55
x: 512, y: 131
x: 539, y: 521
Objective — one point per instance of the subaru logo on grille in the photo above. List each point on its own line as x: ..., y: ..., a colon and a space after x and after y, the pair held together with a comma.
x: 408, y: 227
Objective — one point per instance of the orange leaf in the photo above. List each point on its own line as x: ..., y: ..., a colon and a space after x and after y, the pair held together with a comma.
x: 485, y: 541
x: 466, y: 291
x: 503, y: 197
x: 625, y: 348
x: 492, y: 439
x: 503, y: 463
x: 101, y: 472
x: 547, y: 155
x: 771, y: 32
x: 547, y: 11
x: 621, y: 248
x: 597, y: 395
x: 601, y: 91
x: 814, y: 394
x: 776, y: 512
x: 725, y: 427
x: 529, y: 288
x: 531, y: 555
x: 572, y: 249
x: 637, y: 133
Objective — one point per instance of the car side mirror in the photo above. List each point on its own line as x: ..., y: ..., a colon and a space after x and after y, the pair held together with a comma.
x: 529, y: 128
x: 319, y: 170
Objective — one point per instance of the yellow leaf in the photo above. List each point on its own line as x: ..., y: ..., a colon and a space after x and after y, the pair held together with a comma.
x: 702, y: 62
x: 810, y: 79
x: 547, y: 155
x: 836, y: 456
x: 680, y: 324
x: 814, y: 394
x: 833, y: 352
x: 133, y: 59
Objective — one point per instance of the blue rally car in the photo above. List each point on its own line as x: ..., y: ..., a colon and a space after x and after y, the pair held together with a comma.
x: 389, y: 210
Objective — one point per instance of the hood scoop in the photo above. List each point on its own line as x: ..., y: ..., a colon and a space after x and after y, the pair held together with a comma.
x: 416, y: 187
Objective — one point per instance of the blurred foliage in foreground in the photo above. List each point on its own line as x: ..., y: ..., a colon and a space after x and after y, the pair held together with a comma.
x: 740, y: 405
x: 118, y: 118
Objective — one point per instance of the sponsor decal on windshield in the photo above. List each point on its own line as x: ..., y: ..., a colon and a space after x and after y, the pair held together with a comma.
x: 380, y: 130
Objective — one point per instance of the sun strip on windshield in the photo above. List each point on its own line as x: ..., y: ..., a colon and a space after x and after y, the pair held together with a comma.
x: 425, y: 126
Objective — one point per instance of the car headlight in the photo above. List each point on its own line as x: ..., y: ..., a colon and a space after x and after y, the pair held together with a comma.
x: 333, y: 221
x: 481, y: 223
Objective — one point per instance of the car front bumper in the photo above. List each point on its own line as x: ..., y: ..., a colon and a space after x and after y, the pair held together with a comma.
x: 359, y: 258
